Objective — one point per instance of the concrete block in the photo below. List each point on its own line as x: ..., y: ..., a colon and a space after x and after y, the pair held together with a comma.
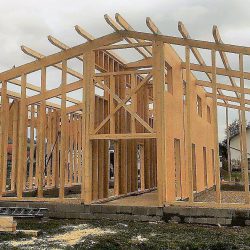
x: 200, y: 220
x: 87, y: 216
x: 212, y: 221
x: 96, y: 208
x: 151, y: 211
x: 106, y: 209
x: 86, y: 208
x: 124, y: 210
x: 159, y: 211
x: 189, y: 220
x: 247, y: 222
x: 175, y: 219
x: 139, y: 210
x: 221, y: 221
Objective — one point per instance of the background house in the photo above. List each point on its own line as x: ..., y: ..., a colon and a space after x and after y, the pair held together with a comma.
x: 235, y: 150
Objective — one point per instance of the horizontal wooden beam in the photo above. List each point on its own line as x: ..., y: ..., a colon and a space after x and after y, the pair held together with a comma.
x: 219, y: 71
x: 123, y: 136
x: 117, y: 73
x: 222, y: 86
x: 186, y: 42
x: 58, y: 57
x: 125, y: 46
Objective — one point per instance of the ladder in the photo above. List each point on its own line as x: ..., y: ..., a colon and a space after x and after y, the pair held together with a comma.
x: 23, y: 212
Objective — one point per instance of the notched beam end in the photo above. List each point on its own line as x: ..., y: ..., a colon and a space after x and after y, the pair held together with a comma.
x: 216, y: 34
x: 111, y: 22
x: 183, y: 30
x: 153, y: 28
x: 83, y: 33
x: 31, y: 52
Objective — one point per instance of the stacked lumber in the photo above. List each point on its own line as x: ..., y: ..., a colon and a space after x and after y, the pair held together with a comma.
x: 7, y: 224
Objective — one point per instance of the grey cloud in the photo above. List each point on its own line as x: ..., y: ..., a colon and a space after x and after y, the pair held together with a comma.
x: 29, y: 22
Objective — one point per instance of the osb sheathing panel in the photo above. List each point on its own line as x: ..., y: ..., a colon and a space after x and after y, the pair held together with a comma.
x: 201, y: 130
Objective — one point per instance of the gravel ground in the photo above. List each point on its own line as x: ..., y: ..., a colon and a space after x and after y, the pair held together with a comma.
x: 226, y: 197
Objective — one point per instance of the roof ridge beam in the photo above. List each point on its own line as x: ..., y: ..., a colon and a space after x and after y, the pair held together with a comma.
x: 82, y: 32
x: 127, y: 26
x: 116, y: 27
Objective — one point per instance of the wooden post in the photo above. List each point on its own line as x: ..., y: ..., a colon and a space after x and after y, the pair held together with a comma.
x: 243, y: 127
x: 215, y: 128
x: 41, y: 135
x: 31, y: 147
x: 159, y: 120
x: 228, y: 148
x: 188, y: 129
x: 21, y: 138
x: 63, y: 131
x: 14, y: 147
x: 88, y: 125
x: 5, y: 131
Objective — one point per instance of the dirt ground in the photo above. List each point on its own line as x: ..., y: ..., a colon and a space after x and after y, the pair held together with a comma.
x: 104, y: 234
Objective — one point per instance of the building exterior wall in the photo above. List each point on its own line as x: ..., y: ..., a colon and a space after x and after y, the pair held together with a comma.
x: 202, y: 134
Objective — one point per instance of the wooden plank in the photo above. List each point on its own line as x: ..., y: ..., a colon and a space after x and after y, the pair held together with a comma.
x: 41, y: 137
x: 189, y: 128
x: 215, y: 128
x: 88, y: 126
x: 5, y: 135
x: 63, y: 131
x: 22, y: 136
x: 244, y: 159
x: 159, y: 118
x: 186, y: 42
x: 14, y: 147
x: 32, y: 145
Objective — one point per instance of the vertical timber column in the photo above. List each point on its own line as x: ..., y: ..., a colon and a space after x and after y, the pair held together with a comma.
x: 215, y: 128
x: 3, y: 135
x: 243, y: 127
x: 31, y: 146
x: 188, y: 129
x: 88, y: 125
x: 159, y: 113
x: 228, y: 148
x: 14, y: 147
x: 41, y: 135
x: 21, y: 138
x: 63, y: 130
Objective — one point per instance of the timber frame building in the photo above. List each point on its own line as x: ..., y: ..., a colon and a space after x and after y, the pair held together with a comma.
x: 159, y: 118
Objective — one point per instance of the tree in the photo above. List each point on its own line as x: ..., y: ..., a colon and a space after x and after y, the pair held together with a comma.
x: 234, y: 128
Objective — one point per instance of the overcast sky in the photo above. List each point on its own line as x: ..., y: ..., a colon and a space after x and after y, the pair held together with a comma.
x: 29, y: 22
